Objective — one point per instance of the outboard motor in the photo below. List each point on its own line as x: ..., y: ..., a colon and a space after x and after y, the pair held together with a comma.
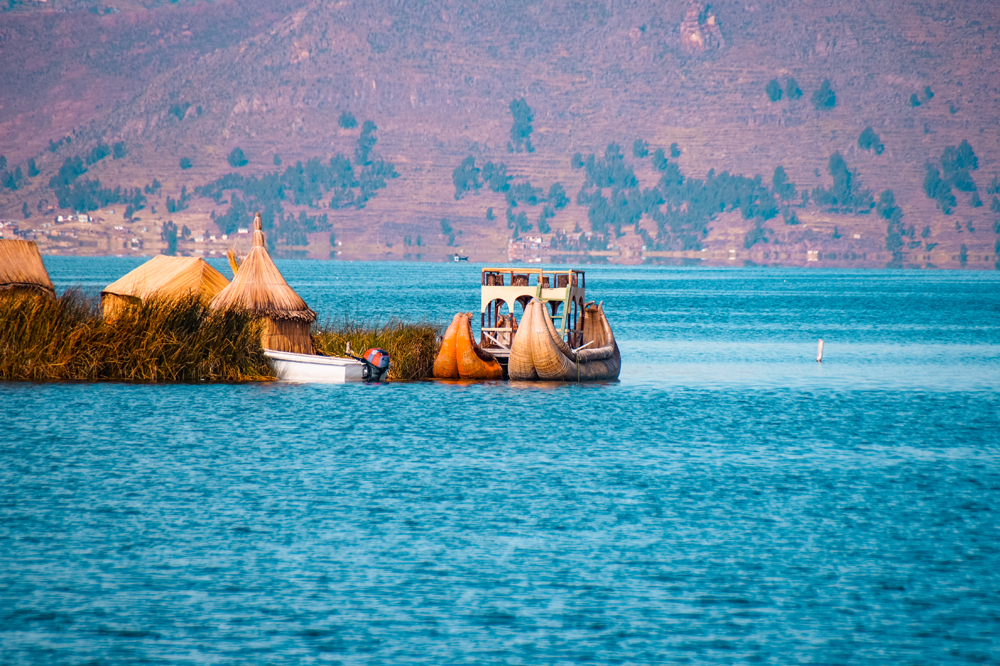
x: 376, y: 364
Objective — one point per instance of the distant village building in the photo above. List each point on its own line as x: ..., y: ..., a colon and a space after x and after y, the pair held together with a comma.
x: 700, y: 30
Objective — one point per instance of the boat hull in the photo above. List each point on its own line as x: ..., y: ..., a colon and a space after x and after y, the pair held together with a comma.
x: 540, y: 353
x: 314, y: 369
x: 461, y: 357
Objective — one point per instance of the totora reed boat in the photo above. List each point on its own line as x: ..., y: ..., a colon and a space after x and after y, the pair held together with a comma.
x: 560, y: 336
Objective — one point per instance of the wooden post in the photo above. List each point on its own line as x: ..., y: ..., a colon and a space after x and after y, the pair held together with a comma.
x: 819, y: 352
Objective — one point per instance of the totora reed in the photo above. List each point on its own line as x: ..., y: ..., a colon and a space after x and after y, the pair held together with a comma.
x: 45, y: 339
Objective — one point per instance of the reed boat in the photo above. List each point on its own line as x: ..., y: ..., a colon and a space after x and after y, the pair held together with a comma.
x: 461, y: 357
x: 560, y: 337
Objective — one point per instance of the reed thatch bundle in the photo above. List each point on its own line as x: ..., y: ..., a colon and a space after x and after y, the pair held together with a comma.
x: 165, y: 278
x: 259, y: 288
x: 22, y: 270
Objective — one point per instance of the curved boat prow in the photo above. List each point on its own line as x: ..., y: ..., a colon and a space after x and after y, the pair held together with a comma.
x: 446, y: 363
x: 539, y: 352
x: 460, y: 357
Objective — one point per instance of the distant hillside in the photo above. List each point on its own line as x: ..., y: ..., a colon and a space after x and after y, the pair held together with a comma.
x: 555, y: 131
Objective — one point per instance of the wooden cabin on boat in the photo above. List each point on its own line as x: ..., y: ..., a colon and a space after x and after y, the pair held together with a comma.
x: 564, y: 292
x: 22, y: 270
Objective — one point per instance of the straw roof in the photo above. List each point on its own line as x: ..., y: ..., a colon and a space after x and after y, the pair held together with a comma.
x: 21, y: 267
x: 260, y: 288
x: 169, y: 277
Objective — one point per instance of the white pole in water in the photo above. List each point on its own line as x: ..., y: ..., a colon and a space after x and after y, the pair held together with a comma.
x: 819, y: 352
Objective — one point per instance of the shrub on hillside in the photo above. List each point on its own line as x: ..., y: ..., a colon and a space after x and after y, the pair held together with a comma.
x: 237, y: 158
x: 824, y: 98
x: 347, y: 120
x: 520, y: 130
x: 792, y: 90
x: 783, y: 188
x: 773, y: 90
x: 869, y: 140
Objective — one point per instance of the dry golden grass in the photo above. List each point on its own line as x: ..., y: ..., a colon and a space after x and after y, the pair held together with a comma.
x: 411, y: 346
x: 67, y: 339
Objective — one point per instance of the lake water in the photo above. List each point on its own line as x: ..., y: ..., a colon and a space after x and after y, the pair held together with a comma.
x: 728, y: 501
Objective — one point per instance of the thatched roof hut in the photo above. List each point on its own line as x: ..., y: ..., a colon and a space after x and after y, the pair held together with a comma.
x: 22, y: 270
x: 260, y: 288
x: 164, y: 277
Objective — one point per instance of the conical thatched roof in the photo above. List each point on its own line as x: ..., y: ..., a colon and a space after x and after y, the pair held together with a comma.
x: 168, y: 277
x: 260, y: 288
x: 21, y: 267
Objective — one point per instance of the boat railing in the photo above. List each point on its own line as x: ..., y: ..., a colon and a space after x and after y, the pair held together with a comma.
x: 562, y: 290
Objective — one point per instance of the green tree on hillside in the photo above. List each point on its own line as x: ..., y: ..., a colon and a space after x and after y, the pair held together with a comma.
x: 237, y: 159
x: 939, y: 190
x: 824, y: 98
x: 640, y: 149
x: 520, y: 130
x: 186, y: 163
x: 466, y: 177
x: 99, y: 152
x: 783, y: 188
x: 347, y: 120
x: 914, y: 100
x: 773, y: 89
x: 276, y: 160
x: 869, y: 140
x: 366, y: 142
x: 118, y: 150
x: 169, y: 233
x: 792, y: 90
x: 557, y: 196
x: 32, y: 168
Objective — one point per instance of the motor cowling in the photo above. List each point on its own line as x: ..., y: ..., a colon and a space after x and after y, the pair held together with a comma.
x: 376, y: 364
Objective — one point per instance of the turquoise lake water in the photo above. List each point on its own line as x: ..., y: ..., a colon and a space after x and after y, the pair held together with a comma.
x: 729, y: 500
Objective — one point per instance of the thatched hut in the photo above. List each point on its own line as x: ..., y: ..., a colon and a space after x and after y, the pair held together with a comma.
x: 260, y: 288
x: 164, y: 277
x: 22, y: 270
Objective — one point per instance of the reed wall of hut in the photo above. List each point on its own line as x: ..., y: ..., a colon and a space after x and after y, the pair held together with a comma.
x: 287, y: 336
x: 22, y: 270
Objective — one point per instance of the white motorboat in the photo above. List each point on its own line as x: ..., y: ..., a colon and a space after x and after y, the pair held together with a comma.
x: 315, y: 369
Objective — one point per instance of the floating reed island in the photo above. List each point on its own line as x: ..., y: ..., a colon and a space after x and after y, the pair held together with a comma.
x: 164, y: 322
x: 179, y: 319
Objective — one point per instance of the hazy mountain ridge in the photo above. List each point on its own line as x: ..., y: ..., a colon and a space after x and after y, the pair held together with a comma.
x: 437, y: 79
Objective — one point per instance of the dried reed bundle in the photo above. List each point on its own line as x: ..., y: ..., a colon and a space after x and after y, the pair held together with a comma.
x: 412, y: 346
x: 21, y: 268
x: 154, y: 340
x: 164, y: 277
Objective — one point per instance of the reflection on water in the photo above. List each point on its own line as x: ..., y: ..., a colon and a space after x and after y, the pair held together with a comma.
x: 729, y: 500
